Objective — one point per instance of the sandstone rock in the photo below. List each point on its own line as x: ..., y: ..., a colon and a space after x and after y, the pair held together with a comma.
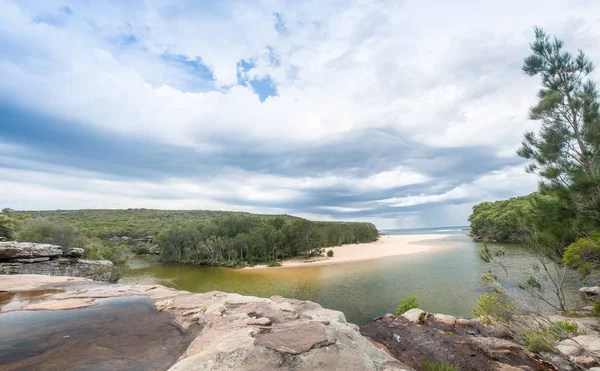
x: 97, y: 270
x: 297, y: 340
x: 462, y: 322
x: 13, y: 250
x: 581, y: 348
x: 415, y: 315
x: 445, y: 319
x: 594, y: 290
x: 294, y: 339
x: 259, y: 321
x: 60, y: 304
x: 74, y: 252
x: 30, y: 260
x: 468, y: 348
x: 31, y: 282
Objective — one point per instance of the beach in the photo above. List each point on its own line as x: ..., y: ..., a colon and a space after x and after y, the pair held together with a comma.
x: 386, y: 246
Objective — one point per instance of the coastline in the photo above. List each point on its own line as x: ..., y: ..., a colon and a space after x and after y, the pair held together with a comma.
x: 384, y: 247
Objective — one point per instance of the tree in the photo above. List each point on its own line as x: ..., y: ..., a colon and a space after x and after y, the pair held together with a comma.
x: 7, y: 226
x: 565, y: 150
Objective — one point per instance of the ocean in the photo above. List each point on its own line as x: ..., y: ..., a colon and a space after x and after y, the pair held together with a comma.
x: 437, y: 230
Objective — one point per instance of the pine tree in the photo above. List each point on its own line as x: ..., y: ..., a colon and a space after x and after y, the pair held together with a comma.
x: 565, y: 149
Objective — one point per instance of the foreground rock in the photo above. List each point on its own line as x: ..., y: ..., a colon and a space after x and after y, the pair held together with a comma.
x: 51, y: 260
x: 468, y: 345
x: 583, y: 349
x: 235, y: 332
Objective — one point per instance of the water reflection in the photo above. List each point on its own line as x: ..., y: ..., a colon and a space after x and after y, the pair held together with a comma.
x: 445, y: 280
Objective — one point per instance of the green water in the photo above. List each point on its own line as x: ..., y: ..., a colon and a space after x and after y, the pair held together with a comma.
x: 444, y: 280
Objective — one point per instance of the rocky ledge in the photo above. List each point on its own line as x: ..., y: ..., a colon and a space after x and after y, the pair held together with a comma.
x: 469, y: 345
x: 51, y: 260
x: 234, y: 332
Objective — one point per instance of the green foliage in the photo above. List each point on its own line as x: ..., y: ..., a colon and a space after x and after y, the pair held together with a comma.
x: 254, y: 239
x: 500, y: 220
x: 330, y: 253
x: 562, y: 330
x: 584, y: 254
x: 7, y: 226
x: 436, y: 366
x: 42, y: 230
x: 197, y: 237
x: 407, y: 304
x: 538, y: 343
x: 596, y: 310
x: 564, y: 151
x: 495, y: 305
x: 273, y: 264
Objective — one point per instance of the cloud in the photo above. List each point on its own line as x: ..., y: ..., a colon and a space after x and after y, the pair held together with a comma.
x: 401, y: 113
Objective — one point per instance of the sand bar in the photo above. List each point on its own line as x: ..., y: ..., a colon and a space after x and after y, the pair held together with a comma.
x: 386, y: 246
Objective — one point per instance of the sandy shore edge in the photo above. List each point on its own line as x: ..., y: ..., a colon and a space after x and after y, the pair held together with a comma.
x: 385, y: 247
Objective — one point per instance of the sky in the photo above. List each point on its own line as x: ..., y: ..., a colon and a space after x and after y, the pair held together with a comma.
x: 400, y: 113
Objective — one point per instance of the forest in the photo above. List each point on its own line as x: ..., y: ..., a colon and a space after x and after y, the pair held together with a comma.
x: 194, y: 237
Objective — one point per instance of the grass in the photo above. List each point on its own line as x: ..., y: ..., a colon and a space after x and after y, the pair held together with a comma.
x: 436, y: 366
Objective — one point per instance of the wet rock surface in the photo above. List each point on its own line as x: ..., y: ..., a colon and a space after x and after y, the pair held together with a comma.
x: 123, y: 333
x: 230, y: 331
x: 51, y: 260
x: 468, y: 346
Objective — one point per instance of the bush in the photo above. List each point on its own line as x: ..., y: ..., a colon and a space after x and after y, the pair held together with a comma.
x: 407, y: 304
x: 140, y: 250
x: 538, y: 343
x: 274, y: 264
x: 562, y: 330
x: 584, y: 254
x: 330, y: 253
x: 596, y: 310
x: 436, y: 366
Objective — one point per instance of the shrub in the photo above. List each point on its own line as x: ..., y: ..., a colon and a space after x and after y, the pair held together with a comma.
x: 596, y: 310
x: 330, y: 253
x: 407, y: 304
x: 538, y: 343
x: 436, y: 366
x: 562, y: 330
x: 41, y: 230
x: 140, y: 250
x: 584, y: 254
x: 274, y: 264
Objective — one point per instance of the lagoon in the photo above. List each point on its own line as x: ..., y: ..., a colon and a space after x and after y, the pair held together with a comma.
x: 445, y: 280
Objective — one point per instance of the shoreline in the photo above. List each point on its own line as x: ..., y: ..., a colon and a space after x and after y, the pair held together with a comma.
x: 385, y: 247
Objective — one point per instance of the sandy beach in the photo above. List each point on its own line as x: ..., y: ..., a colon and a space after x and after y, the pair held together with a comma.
x: 386, y: 246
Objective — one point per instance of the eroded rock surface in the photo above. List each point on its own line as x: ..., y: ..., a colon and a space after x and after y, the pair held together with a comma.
x: 466, y: 344
x: 51, y: 260
x: 234, y: 332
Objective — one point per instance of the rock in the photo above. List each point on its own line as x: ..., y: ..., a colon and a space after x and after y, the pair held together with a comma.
x: 97, y: 270
x: 415, y: 315
x: 462, y: 322
x: 294, y: 339
x: 32, y: 282
x: 594, y: 290
x: 259, y: 321
x: 468, y: 348
x: 30, y: 260
x: 297, y: 340
x: 445, y: 319
x: 74, y: 252
x: 13, y: 250
x: 581, y: 349
x: 60, y: 304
